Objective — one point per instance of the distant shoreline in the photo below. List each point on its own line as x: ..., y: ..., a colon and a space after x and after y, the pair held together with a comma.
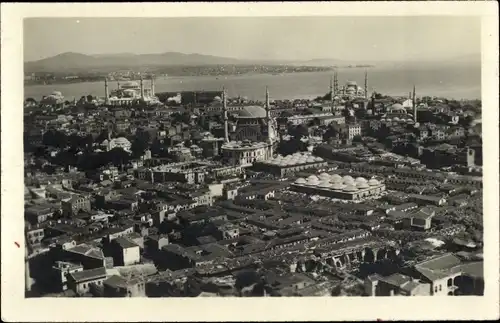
x: 307, y: 69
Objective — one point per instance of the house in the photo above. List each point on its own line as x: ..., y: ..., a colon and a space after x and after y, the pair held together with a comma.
x: 290, y: 284
x: 396, y: 285
x: 75, y: 204
x: 80, y: 281
x: 38, y: 213
x: 439, y: 273
x: 420, y: 220
x: 124, y: 252
x: 89, y: 256
x: 61, y: 270
x: 117, y: 286
x: 428, y: 199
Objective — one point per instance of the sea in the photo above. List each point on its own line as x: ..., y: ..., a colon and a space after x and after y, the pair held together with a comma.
x: 456, y: 82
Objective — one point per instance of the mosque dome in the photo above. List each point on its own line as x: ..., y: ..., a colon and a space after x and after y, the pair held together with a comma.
x: 362, y: 185
x: 351, y: 83
x: 121, y: 141
x: 350, y: 188
x: 318, y: 159
x: 129, y: 84
x: 396, y: 119
x: 324, y: 184
x: 312, y: 178
x: 397, y: 107
x: 324, y: 176
x: 373, y: 182
x: 338, y: 186
x: 360, y: 180
x: 347, y: 179
x: 312, y: 182
x: 336, y: 178
x: 252, y: 112
x: 300, y: 180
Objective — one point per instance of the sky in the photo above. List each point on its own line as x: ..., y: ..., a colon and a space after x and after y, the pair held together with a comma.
x: 286, y: 38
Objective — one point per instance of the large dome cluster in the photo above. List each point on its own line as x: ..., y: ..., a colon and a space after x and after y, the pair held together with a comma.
x: 337, y: 182
x: 295, y: 159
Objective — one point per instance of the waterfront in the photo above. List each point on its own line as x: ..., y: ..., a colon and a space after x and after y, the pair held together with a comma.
x: 454, y: 82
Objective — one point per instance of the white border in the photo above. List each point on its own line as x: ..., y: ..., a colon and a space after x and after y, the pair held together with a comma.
x: 16, y: 308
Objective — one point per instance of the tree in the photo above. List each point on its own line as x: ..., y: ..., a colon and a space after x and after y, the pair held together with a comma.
x: 139, y: 146
x: 357, y: 138
x: 89, y: 98
x: 299, y: 131
x: 117, y: 156
x: 31, y: 101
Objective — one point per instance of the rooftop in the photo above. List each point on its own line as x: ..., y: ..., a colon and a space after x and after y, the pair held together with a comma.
x: 89, y: 274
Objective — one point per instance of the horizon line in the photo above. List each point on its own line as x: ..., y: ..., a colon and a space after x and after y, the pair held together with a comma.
x: 261, y: 59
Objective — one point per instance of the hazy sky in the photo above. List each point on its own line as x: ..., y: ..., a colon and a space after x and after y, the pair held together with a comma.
x: 295, y: 38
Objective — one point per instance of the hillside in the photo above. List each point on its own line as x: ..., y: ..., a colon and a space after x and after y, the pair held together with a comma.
x: 75, y: 61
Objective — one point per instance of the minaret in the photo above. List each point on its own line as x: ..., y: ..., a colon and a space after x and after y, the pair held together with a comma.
x: 152, y: 86
x: 269, y: 124
x: 414, y: 102
x: 106, y: 91
x: 332, y: 94
x: 142, y: 89
x: 335, y: 83
x: 109, y: 140
x: 224, y: 110
x: 118, y: 84
x: 366, y: 85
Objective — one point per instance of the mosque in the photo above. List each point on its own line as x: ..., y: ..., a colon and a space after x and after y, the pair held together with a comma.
x: 254, y: 135
x: 130, y: 92
x: 398, y: 114
x: 351, y: 90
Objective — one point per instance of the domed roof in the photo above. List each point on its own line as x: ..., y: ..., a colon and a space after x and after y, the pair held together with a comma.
x: 300, y: 180
x: 351, y: 83
x: 397, y: 107
x: 324, y: 184
x: 252, y: 111
x: 373, y: 182
x: 360, y: 180
x: 129, y: 84
x: 337, y: 186
x: 350, y: 188
x: 361, y: 185
x: 396, y: 119
x: 347, y: 179
x: 121, y: 140
x: 324, y: 175
x: 336, y: 178
x: 312, y: 182
x: 312, y: 177
x: 318, y: 159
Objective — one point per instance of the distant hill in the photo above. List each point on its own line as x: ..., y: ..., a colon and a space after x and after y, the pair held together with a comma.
x: 75, y: 61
